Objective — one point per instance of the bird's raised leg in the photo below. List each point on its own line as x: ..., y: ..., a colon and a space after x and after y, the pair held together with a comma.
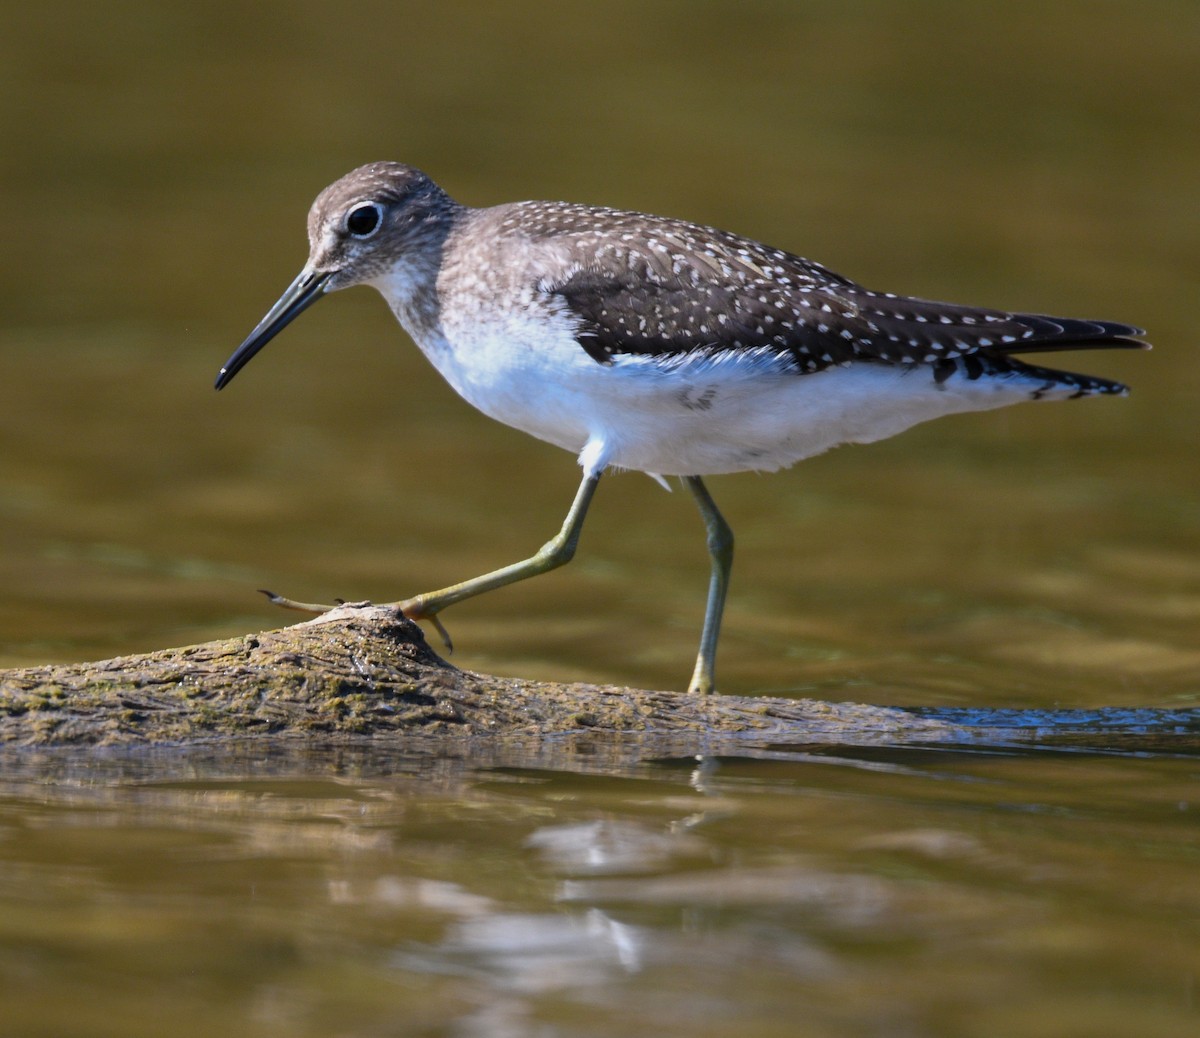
x: 720, y: 547
x: 557, y: 551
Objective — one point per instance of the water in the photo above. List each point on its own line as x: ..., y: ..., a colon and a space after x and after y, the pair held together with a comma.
x: 158, y: 164
x: 585, y: 891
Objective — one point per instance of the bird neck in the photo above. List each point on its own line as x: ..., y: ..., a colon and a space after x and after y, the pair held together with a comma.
x: 410, y: 283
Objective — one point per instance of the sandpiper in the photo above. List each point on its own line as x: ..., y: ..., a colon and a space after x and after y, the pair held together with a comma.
x: 653, y: 344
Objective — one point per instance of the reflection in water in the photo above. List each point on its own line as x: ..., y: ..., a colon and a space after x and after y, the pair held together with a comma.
x: 849, y: 900
x: 534, y: 954
x: 531, y: 955
x: 514, y: 956
x: 401, y: 893
x: 357, y: 891
x: 610, y: 846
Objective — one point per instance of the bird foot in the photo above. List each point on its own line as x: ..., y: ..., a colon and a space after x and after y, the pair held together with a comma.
x: 410, y: 609
x: 416, y: 609
x: 315, y: 608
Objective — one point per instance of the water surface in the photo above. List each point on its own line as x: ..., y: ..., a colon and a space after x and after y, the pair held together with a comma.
x: 585, y: 890
x: 157, y: 165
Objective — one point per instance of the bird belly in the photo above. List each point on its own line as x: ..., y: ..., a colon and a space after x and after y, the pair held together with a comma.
x: 742, y: 413
x: 702, y: 413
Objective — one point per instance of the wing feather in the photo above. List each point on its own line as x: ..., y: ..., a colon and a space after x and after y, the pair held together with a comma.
x: 653, y: 286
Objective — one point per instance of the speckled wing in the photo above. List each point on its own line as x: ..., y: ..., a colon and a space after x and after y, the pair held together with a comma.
x: 659, y: 287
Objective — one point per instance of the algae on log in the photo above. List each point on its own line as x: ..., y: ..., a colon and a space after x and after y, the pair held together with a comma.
x: 364, y: 671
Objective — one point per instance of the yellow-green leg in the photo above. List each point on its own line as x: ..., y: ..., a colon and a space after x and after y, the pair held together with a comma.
x: 556, y: 552
x: 560, y: 549
x: 720, y: 548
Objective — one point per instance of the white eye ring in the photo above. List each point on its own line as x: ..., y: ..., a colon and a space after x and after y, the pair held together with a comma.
x: 364, y: 220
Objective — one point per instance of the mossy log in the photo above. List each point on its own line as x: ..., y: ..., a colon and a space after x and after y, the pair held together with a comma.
x: 362, y: 671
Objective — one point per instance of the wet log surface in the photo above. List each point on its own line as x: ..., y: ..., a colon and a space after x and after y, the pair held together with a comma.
x: 360, y: 673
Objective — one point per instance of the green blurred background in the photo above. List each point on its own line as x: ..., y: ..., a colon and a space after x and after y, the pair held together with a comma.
x: 156, y: 168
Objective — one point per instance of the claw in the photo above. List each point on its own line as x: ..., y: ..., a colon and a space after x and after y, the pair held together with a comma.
x: 441, y: 630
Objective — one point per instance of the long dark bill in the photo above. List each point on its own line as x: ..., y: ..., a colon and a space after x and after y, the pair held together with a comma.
x: 299, y: 296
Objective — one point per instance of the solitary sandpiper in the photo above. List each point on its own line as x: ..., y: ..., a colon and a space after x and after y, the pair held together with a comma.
x: 648, y: 343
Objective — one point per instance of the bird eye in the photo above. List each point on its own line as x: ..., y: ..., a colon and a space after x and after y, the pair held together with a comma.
x: 364, y: 220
